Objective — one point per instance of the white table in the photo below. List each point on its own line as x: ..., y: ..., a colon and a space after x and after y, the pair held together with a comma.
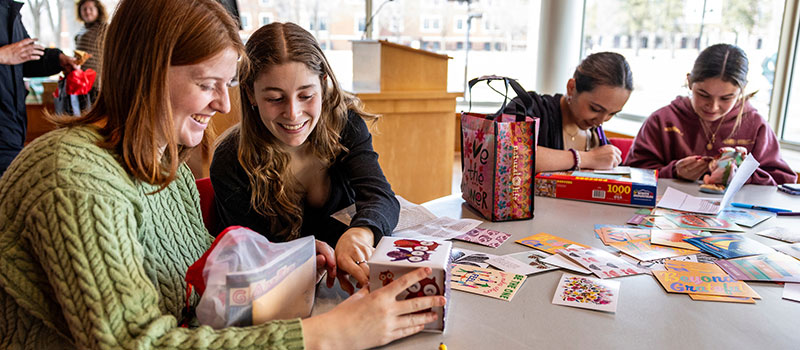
x: 646, y: 317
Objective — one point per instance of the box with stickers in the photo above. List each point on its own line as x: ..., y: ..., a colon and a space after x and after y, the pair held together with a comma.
x: 395, y: 256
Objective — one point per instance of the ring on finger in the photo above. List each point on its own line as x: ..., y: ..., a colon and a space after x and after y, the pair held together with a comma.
x: 361, y: 262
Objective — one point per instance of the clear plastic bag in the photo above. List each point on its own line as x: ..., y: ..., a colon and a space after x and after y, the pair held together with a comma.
x: 249, y: 280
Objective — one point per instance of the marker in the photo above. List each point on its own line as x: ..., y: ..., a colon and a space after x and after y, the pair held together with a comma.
x: 602, y: 135
x: 442, y: 346
x: 758, y: 207
x: 792, y: 213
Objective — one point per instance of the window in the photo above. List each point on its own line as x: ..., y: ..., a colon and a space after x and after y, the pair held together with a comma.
x: 361, y: 24
x: 669, y: 35
x: 431, y: 23
x: 460, y: 24
x: 245, y: 20
x: 264, y: 18
x: 323, y: 24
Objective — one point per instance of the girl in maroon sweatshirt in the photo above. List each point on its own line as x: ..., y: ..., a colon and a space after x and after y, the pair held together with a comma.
x: 680, y: 139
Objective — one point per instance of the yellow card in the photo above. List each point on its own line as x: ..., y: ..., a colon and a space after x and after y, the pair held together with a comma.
x: 547, y: 242
x: 688, y: 282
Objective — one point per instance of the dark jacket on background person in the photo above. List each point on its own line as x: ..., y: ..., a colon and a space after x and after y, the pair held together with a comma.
x: 13, y: 117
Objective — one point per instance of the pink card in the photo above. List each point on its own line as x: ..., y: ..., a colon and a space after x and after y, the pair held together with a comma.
x: 483, y: 236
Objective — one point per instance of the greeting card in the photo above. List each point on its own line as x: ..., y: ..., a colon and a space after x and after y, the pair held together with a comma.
x: 702, y: 222
x: 674, y: 238
x: 470, y: 257
x: 488, y: 282
x: 483, y: 236
x: 744, y: 217
x: 775, y: 267
x: 657, y: 264
x: 782, y: 234
x: 791, y: 291
x: 564, y: 263
x: 601, y: 263
x: 587, y: 293
x: 792, y: 250
x: 729, y: 246
x: 699, y: 283
x: 708, y: 269
x: 547, y: 242
x: 524, y: 263
x: 611, y: 235
x: 644, y: 251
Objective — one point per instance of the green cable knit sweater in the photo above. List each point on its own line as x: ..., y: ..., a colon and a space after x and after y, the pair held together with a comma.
x: 89, y: 260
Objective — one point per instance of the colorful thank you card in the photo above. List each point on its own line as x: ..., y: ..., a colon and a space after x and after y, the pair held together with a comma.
x: 601, y: 263
x: 709, y: 269
x: 483, y: 236
x: 547, y: 242
x: 642, y: 250
x: 697, y: 283
x: 729, y: 246
x: 489, y: 282
x: 587, y: 293
x: 775, y: 267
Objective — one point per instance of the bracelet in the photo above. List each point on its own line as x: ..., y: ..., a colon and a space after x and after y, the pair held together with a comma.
x: 576, y: 157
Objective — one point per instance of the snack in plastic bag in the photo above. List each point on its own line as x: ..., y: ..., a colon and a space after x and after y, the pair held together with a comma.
x: 249, y: 280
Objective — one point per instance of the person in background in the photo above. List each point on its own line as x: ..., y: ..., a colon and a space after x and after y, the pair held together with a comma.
x: 302, y: 153
x: 100, y: 219
x: 569, y: 133
x: 682, y: 138
x: 90, y: 38
x: 20, y: 56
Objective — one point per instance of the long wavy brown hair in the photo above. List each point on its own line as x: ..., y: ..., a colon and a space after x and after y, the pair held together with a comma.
x: 275, y: 192
x: 144, y: 39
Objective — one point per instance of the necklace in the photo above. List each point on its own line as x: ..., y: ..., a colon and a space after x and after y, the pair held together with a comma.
x: 707, y: 130
x: 572, y: 136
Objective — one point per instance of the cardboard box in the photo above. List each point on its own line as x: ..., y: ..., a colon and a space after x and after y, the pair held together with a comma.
x: 638, y: 188
x: 395, y: 256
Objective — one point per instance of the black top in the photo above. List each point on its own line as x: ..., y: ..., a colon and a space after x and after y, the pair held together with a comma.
x: 356, y: 177
x: 13, y: 120
x: 548, y: 109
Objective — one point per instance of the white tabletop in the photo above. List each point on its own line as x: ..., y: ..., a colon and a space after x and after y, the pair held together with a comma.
x: 646, y: 316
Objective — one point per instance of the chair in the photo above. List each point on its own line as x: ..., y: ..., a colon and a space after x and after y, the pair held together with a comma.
x: 624, y: 145
x: 207, y: 203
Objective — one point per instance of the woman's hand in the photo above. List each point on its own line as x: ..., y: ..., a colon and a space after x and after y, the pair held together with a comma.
x: 352, y: 252
x: 325, y: 262
x: 367, y: 319
x: 603, y: 157
x: 692, y: 167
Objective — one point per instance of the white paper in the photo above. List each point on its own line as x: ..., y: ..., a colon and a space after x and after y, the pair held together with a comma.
x: 443, y: 227
x: 791, y: 291
x: 677, y: 200
x: 410, y: 214
x: 620, y: 170
x: 746, y: 169
x: 564, y: 263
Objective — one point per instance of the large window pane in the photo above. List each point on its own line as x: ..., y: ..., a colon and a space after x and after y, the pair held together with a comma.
x: 791, y: 121
x: 661, y: 39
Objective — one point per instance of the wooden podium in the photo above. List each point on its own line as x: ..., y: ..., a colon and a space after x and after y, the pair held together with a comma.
x: 414, y: 136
